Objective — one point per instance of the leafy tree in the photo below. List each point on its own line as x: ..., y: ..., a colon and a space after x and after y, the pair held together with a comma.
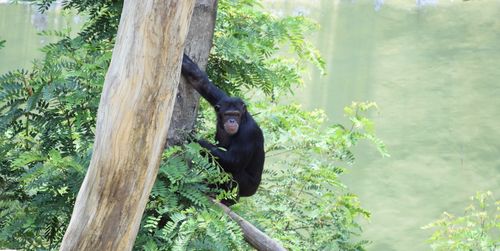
x: 179, y: 215
x: 302, y: 200
x: 247, y: 40
x: 477, y: 229
x: 47, y: 118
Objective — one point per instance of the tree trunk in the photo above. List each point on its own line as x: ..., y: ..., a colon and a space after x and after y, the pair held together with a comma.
x: 132, y: 123
x: 198, y: 45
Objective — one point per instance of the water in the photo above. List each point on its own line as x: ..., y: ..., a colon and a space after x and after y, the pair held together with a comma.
x: 434, y: 70
x: 20, y: 25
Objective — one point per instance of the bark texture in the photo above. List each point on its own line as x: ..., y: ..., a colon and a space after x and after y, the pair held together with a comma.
x: 198, y: 45
x: 132, y: 124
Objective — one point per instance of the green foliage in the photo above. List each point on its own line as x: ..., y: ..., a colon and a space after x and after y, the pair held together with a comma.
x: 36, y: 203
x: 2, y: 44
x: 53, y: 106
x: 179, y: 215
x: 290, y: 128
x: 47, y: 119
x: 103, y: 17
x: 302, y: 201
x: 477, y: 229
x: 47, y: 123
x: 247, y: 40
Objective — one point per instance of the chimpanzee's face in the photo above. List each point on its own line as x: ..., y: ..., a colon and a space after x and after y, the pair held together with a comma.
x: 230, y: 112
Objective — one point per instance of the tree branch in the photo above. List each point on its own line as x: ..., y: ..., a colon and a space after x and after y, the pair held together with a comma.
x: 253, y: 235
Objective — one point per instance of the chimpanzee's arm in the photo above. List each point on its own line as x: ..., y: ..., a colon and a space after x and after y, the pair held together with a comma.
x: 233, y: 159
x: 200, y: 82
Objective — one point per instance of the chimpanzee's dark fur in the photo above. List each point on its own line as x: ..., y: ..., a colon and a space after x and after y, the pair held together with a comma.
x: 237, y: 132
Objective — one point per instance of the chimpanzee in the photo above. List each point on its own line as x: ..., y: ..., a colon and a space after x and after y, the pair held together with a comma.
x: 237, y: 132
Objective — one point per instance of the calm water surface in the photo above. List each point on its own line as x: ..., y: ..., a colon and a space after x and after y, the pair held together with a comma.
x: 433, y: 69
x: 20, y: 25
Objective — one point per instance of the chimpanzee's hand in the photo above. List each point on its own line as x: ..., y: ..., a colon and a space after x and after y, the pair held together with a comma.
x: 189, y: 68
x: 205, y: 144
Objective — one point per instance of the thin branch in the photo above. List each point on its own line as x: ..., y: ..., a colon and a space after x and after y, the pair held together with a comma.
x: 253, y: 235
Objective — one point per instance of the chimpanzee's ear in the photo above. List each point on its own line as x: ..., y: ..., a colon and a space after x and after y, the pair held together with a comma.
x: 217, y: 108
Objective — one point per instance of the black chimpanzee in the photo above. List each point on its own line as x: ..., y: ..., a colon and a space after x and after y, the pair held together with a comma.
x: 237, y: 132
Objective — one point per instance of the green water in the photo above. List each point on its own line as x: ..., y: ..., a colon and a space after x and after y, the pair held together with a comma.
x: 20, y: 25
x: 435, y: 73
